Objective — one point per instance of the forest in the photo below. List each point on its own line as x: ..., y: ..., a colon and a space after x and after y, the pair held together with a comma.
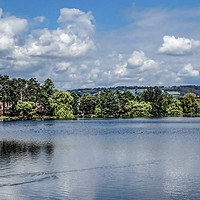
x: 29, y: 99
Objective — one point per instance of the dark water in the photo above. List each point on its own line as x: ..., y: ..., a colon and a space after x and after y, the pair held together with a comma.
x: 100, y: 159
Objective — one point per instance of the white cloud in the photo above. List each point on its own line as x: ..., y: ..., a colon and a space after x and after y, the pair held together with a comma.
x: 136, y: 59
x: 58, y: 43
x: 12, y: 25
x: 11, y: 28
x: 178, y: 46
x: 139, y: 60
x: 45, y: 51
x: 66, y: 55
x: 188, y: 70
x: 73, y: 39
x: 6, y: 42
x: 77, y: 21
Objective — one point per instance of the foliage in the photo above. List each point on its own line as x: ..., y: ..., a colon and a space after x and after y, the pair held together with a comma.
x: 190, y: 104
x: 22, y: 97
x: 26, y: 109
x: 124, y: 97
x: 87, y: 104
x: 109, y: 103
x: 174, y: 108
x: 4, y: 90
x: 76, y: 103
x: 138, y: 109
x: 61, y: 103
x: 158, y: 100
x: 46, y: 90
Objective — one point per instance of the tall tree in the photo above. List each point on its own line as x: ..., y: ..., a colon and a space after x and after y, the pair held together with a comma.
x: 33, y: 90
x: 4, y: 89
x: 109, y: 103
x: 157, y: 98
x: 76, y: 103
x: 61, y: 102
x: 190, y: 103
x: 87, y: 104
x: 46, y: 91
x: 124, y: 98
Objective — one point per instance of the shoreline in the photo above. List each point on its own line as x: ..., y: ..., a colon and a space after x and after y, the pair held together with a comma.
x: 8, y: 118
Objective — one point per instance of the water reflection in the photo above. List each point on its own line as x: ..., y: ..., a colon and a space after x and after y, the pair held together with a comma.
x: 113, y: 159
x: 21, y: 149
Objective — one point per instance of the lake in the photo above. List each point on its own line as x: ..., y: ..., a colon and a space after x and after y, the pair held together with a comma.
x: 100, y: 159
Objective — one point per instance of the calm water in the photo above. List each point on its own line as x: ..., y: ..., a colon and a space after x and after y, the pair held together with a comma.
x: 100, y: 159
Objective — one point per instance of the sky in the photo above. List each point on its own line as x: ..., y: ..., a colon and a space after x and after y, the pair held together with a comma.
x: 87, y: 43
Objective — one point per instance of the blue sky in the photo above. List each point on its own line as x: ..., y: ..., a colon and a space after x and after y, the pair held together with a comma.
x: 87, y: 43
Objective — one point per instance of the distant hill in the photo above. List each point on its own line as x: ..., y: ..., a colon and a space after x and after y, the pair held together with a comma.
x: 137, y: 90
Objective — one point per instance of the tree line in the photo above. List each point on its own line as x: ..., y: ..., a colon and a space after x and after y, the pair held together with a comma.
x: 28, y: 99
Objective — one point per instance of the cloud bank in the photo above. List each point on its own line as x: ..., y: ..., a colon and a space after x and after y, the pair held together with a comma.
x: 76, y: 54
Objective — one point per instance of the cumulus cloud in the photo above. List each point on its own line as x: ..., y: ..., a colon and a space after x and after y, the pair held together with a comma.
x: 139, y: 60
x: 12, y: 25
x: 65, y: 41
x: 178, y: 46
x: 70, y: 40
x: 58, y: 43
x: 188, y: 70
x: 11, y: 28
x: 77, y: 21
x: 66, y: 55
x: 134, y: 68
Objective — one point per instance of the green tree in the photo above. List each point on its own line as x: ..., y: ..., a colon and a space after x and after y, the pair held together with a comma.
x: 190, y: 103
x: 21, y: 89
x: 33, y: 90
x: 26, y: 109
x: 138, y: 109
x: 87, y: 104
x: 109, y: 103
x: 4, y: 90
x: 17, y: 92
x: 61, y: 102
x: 157, y: 98
x: 174, y: 107
x: 76, y: 104
x: 124, y: 98
x: 46, y: 91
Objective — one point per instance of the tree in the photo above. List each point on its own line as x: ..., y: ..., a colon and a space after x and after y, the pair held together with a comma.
x: 124, y: 98
x: 33, y: 90
x: 190, y: 104
x: 21, y: 89
x: 76, y: 103
x: 174, y: 107
x: 157, y: 98
x: 26, y: 109
x: 87, y: 104
x: 109, y: 103
x: 4, y: 90
x: 61, y: 103
x: 46, y: 90
x: 17, y: 92
x: 138, y: 109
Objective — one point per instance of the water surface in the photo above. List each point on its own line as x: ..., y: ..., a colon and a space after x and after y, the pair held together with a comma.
x: 100, y: 159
